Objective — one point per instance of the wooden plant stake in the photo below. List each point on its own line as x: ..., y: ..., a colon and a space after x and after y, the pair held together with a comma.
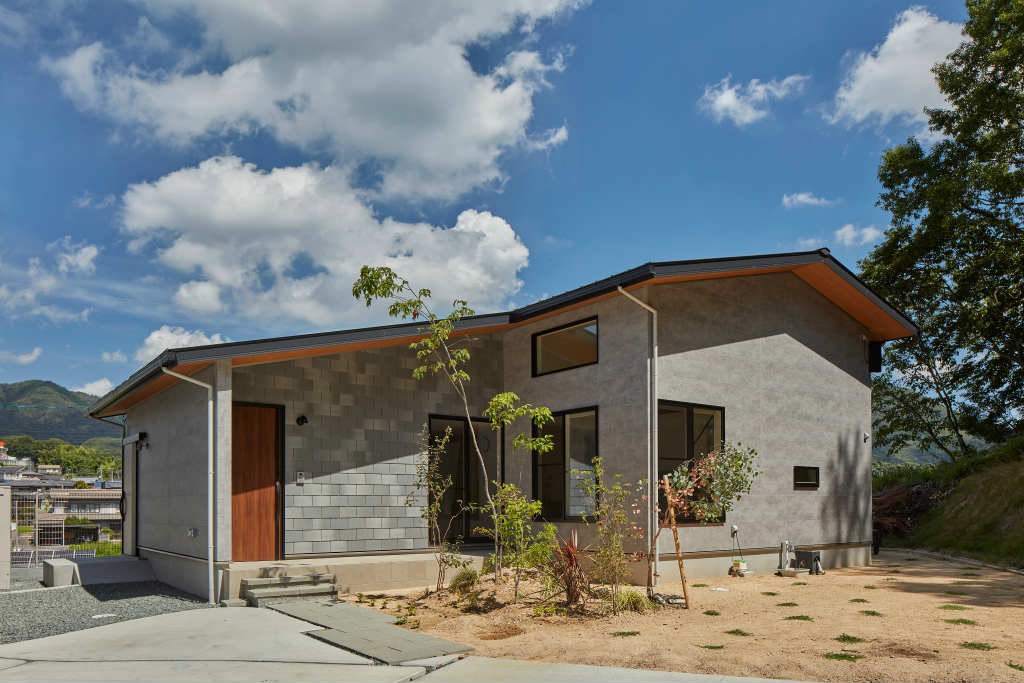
x: 670, y: 496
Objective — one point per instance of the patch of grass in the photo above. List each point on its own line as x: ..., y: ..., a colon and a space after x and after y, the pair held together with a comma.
x: 911, y: 559
x: 847, y: 638
x: 895, y: 571
x: 739, y: 632
x: 712, y: 612
x: 970, y: 574
x: 842, y: 656
x: 786, y: 604
x: 632, y: 600
x: 964, y: 622
x: 768, y: 593
x: 871, y: 588
x: 870, y: 613
x: 798, y: 617
x: 625, y: 634
x: 953, y: 607
x: 1018, y: 667
x: 722, y: 647
x: 890, y: 578
x: 956, y: 592
x: 464, y: 581
x: 977, y: 646
x: 965, y: 583
x: 102, y: 548
x: 799, y: 583
x: 699, y: 585
x: 858, y: 600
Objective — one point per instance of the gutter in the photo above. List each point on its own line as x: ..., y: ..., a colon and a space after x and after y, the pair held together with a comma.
x: 209, y: 477
x: 652, y: 436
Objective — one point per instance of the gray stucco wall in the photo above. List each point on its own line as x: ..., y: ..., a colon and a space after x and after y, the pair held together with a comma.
x: 791, y: 370
x: 172, y: 468
x: 360, y: 447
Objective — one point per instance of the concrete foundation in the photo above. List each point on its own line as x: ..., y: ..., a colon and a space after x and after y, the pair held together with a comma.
x: 58, y: 573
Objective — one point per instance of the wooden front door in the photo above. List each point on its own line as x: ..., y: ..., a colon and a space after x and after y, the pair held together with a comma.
x: 255, y: 491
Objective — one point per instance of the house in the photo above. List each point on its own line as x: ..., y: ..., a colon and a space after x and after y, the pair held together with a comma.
x: 43, y: 468
x: 305, y: 447
x: 63, y: 510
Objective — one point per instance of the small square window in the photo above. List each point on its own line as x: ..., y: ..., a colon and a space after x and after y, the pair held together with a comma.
x: 806, y: 477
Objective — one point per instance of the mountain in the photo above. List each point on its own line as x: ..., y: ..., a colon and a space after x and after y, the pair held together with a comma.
x: 61, y: 413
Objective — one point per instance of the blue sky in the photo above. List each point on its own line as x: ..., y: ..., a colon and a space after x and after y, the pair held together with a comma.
x: 181, y: 172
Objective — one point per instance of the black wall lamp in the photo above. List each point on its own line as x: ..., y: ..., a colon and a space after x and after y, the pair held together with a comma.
x: 301, y: 420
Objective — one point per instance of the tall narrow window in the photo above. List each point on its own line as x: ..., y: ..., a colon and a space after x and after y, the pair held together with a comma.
x: 562, y: 476
x: 686, y: 432
x: 569, y: 346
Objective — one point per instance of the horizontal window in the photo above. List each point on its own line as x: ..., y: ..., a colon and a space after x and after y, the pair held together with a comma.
x: 562, y: 475
x: 686, y: 433
x: 806, y: 477
x: 569, y: 346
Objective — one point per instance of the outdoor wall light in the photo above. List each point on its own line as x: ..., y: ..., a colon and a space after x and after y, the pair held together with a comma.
x: 301, y: 420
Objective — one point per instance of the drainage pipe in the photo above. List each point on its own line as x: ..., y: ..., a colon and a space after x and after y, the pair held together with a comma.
x: 652, y: 443
x: 209, y: 476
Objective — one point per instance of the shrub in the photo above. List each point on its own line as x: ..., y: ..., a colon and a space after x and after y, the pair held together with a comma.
x: 464, y: 581
x: 516, y: 538
x: 614, y: 526
x: 632, y: 600
x: 565, y: 570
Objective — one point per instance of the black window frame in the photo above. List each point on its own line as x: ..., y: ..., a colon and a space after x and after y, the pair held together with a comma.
x: 805, y: 486
x: 575, y: 323
x: 565, y: 472
x: 690, y: 520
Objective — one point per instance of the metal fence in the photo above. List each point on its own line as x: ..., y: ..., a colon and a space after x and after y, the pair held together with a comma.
x: 34, y: 558
x: 41, y: 529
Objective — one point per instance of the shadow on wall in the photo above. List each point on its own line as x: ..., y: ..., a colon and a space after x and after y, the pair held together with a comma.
x: 714, y: 313
x: 846, y: 507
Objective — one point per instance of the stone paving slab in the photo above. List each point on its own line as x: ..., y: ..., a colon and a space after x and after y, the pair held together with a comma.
x: 340, y: 615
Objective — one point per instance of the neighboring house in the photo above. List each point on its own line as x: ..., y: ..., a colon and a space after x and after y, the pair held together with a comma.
x: 315, y: 437
x: 8, y: 460
x: 43, y: 468
x: 101, y: 507
x: 12, y: 473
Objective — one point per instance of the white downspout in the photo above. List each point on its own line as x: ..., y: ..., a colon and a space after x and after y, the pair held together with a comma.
x: 209, y: 477
x: 652, y: 460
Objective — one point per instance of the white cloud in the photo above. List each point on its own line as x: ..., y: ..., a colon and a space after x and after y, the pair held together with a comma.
x: 168, y: 337
x: 894, y: 79
x: 75, y: 257
x: 114, y: 357
x: 288, y: 243
x: 21, y: 358
x: 797, y: 199
x: 851, y: 236
x: 98, y: 387
x: 14, y: 27
x: 23, y: 291
x: 386, y: 82
x: 745, y: 104
x: 86, y: 200
x: 809, y: 243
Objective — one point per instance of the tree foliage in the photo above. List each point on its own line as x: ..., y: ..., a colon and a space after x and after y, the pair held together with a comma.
x: 953, y: 257
x: 73, y: 459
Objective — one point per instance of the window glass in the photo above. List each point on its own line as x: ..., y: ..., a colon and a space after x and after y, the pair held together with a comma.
x: 565, y: 348
x: 549, y: 472
x: 685, y: 433
x: 581, y: 449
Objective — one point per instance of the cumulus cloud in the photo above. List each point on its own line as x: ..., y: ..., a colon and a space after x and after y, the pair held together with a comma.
x: 745, y: 104
x: 893, y: 81
x: 21, y: 358
x: 75, y: 257
x: 798, y: 199
x: 288, y: 243
x: 168, y: 337
x: 851, y: 236
x: 385, y: 82
x: 97, y: 387
x: 114, y: 357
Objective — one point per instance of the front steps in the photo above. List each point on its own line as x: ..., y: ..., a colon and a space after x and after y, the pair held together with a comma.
x: 255, y: 590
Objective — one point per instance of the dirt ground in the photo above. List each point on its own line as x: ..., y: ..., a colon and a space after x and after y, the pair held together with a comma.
x: 909, y: 640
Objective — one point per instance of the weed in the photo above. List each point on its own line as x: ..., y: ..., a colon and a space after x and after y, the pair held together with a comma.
x: 871, y: 588
x: 546, y: 611
x: 911, y: 559
x: 739, y: 632
x: 847, y: 638
x: 977, y: 646
x: 1018, y: 667
x: 373, y: 603
x: 895, y: 571
x: 890, y: 578
x: 411, y: 610
x: 464, y: 581
x: 786, y: 604
x: 798, y: 617
x: 699, y: 585
x: 768, y: 593
x: 965, y: 622
x: 799, y: 583
x: 965, y: 583
x: 632, y: 600
x: 625, y: 634
x: 870, y: 613
x: 360, y: 597
x: 402, y: 620
x: 712, y: 612
x: 384, y: 605
x: 722, y: 647
x: 415, y: 623
x: 858, y: 600
x: 953, y: 607
x: 970, y: 574
x: 956, y: 592
x: 842, y: 656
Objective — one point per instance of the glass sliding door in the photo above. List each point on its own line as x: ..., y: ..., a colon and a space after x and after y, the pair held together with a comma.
x: 469, y: 480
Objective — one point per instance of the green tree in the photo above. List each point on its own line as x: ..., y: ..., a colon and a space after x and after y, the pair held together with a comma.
x: 613, y: 517
x: 523, y: 545
x: 953, y: 257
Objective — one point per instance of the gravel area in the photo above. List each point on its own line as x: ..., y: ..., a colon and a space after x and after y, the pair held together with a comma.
x: 37, y: 614
x: 23, y: 578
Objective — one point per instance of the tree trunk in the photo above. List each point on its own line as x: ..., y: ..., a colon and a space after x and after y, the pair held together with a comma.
x: 670, y: 495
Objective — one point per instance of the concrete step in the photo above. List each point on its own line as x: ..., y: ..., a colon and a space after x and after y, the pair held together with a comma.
x: 255, y: 595
x: 286, y: 580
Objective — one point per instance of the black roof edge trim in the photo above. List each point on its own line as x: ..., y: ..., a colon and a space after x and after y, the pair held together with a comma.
x: 871, y: 294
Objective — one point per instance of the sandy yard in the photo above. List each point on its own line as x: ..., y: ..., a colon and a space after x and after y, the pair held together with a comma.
x: 910, y: 638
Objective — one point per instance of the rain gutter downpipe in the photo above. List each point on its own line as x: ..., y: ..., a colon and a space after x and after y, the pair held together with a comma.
x: 209, y: 476
x: 652, y: 438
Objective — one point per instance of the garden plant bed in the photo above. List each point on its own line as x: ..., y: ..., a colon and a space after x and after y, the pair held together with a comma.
x: 910, y: 640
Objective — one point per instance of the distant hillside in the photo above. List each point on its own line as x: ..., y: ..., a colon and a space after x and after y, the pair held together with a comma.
x: 67, y: 423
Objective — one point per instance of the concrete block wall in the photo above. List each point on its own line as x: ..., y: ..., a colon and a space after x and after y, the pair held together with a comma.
x: 360, y: 447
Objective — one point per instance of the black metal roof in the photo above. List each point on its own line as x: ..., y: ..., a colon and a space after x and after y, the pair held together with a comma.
x: 652, y: 270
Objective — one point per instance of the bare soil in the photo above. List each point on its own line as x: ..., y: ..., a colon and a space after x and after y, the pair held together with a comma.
x: 910, y: 640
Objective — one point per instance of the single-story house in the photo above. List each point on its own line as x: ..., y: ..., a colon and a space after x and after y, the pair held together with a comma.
x: 305, y: 447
